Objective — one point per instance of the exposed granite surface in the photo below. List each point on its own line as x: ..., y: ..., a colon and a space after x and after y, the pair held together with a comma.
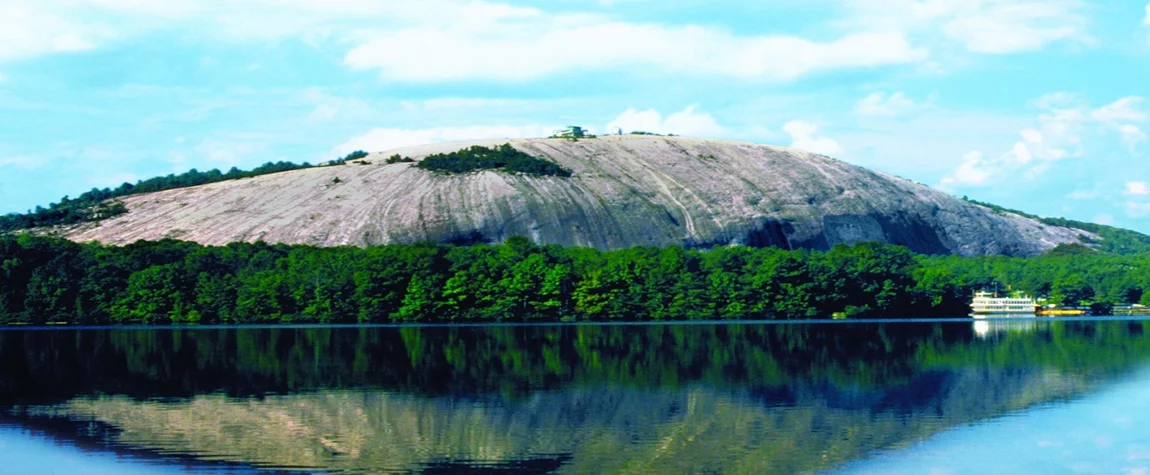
x: 626, y: 191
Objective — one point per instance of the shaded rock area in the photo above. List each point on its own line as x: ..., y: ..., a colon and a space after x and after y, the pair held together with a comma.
x: 626, y: 191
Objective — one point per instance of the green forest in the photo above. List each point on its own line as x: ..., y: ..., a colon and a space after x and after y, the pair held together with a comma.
x: 53, y: 280
x: 477, y: 157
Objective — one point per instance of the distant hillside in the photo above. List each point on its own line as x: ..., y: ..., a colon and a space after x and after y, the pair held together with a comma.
x: 1115, y: 240
x: 608, y: 192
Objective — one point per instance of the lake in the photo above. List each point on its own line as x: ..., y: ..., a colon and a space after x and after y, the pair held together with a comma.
x: 949, y: 396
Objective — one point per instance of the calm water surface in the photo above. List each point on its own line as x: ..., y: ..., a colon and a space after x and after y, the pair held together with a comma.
x: 949, y: 397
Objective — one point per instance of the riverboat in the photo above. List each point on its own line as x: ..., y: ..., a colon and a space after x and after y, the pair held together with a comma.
x: 986, y: 304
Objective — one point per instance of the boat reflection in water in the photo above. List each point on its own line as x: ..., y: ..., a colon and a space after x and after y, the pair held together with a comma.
x: 985, y: 328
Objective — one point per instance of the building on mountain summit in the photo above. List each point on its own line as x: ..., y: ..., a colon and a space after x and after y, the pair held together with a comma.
x: 571, y: 132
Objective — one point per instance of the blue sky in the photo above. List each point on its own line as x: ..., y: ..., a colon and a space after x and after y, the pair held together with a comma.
x: 1031, y: 104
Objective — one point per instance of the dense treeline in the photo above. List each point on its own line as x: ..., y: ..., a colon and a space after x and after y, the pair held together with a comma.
x: 504, y: 157
x: 95, y: 205
x: 48, y: 279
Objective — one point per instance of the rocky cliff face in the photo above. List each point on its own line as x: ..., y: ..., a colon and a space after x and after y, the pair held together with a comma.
x: 626, y: 191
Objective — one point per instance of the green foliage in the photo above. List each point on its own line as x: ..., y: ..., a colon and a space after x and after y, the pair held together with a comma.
x: 397, y: 158
x: 47, y: 279
x: 356, y: 155
x: 504, y: 157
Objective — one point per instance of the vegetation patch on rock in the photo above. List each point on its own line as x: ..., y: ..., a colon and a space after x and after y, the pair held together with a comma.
x: 503, y: 158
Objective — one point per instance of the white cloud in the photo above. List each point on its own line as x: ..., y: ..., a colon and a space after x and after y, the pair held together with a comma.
x: 448, y: 103
x: 979, y: 26
x: 1083, y: 195
x: 1122, y: 110
x: 974, y: 170
x: 888, y: 105
x: 686, y: 122
x: 22, y: 162
x: 26, y: 31
x: 1121, y: 116
x: 1103, y: 219
x: 447, y: 40
x: 1146, y: 20
x: 547, y: 45
x: 1132, y: 136
x: 1136, y: 188
x: 803, y: 137
x: 383, y: 139
x: 1056, y: 135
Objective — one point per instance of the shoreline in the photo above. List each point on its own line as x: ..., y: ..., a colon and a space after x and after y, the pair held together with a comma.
x: 818, y: 321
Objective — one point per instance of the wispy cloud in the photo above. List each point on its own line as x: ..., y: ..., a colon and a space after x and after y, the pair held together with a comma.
x: 974, y: 170
x: 384, y: 139
x: 24, y: 162
x: 1137, y: 209
x: 1136, y: 188
x: 880, y: 104
x: 1057, y: 135
x: 452, y: 40
x: 979, y: 26
x: 27, y: 31
x: 804, y: 136
x: 685, y: 122
x: 517, y: 50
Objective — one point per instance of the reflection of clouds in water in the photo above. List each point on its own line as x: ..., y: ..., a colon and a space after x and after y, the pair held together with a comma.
x: 1124, y: 421
x: 1104, y: 432
x: 26, y: 452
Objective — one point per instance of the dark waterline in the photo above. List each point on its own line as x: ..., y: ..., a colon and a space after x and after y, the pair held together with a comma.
x: 653, y: 397
x: 297, y: 326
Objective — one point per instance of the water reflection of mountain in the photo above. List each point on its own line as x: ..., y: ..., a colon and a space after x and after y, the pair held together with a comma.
x: 728, y: 399
x: 595, y: 430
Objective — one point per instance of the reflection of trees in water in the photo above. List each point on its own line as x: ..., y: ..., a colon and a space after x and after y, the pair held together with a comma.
x: 646, y: 398
x: 516, y: 360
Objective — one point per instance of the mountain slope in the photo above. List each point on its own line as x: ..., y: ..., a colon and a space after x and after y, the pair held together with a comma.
x: 625, y: 191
